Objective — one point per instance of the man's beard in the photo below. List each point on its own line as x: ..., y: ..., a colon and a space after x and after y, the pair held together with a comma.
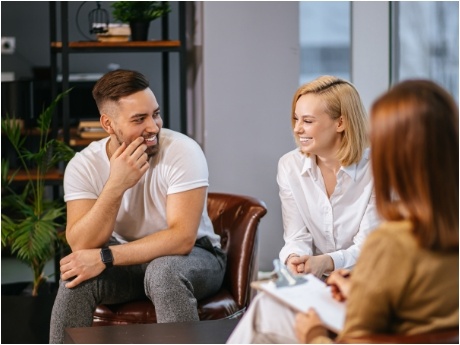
x: 151, y: 151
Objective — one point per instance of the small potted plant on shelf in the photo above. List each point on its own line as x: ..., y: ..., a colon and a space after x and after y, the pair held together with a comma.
x: 139, y: 14
x: 31, y: 223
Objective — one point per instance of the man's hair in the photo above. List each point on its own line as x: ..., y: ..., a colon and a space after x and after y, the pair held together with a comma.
x: 415, y: 160
x: 341, y: 99
x: 117, y: 84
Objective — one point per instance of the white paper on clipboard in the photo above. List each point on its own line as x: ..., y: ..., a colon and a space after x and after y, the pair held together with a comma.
x: 312, y: 294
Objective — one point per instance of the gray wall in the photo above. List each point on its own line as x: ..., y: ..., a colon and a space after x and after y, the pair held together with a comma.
x: 250, y: 73
x: 370, y: 57
x: 18, y: 20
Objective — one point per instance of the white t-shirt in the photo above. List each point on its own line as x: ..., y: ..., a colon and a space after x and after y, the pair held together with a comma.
x: 315, y: 224
x: 180, y: 165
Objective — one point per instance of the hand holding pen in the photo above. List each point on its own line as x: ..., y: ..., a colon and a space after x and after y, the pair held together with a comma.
x: 340, y: 284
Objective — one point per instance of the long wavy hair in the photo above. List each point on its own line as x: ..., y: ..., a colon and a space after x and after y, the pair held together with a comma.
x: 415, y: 161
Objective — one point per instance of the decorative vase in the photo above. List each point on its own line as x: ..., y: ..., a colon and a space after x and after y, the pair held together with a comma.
x: 139, y: 31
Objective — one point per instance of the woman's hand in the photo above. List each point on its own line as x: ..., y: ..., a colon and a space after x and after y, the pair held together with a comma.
x: 317, y: 265
x: 308, y: 326
x: 295, y: 264
x: 340, y: 284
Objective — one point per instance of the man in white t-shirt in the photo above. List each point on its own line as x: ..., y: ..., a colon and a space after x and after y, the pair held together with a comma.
x: 137, y: 220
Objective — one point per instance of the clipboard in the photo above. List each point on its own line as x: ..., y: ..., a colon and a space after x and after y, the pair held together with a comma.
x: 303, y: 295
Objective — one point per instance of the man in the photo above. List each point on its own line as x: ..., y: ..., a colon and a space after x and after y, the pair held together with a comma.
x: 137, y: 221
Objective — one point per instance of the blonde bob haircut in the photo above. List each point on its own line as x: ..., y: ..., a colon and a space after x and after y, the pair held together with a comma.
x: 342, y: 100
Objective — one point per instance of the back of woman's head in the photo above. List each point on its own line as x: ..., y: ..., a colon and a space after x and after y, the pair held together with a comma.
x: 415, y: 160
x: 341, y: 100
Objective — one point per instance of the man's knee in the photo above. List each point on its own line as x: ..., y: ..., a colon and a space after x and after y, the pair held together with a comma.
x: 162, y: 268
x: 164, y: 271
x: 87, y: 291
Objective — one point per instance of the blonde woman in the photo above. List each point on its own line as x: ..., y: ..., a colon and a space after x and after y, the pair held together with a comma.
x: 414, y: 137
x: 325, y: 184
x: 327, y: 199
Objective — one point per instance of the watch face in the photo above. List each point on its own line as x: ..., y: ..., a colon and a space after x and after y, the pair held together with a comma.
x: 106, y: 255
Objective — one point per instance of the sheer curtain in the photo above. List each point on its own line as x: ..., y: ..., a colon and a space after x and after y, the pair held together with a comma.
x: 425, y: 42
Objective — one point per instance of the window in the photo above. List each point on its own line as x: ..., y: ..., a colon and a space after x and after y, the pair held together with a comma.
x: 324, y: 43
x: 425, y: 42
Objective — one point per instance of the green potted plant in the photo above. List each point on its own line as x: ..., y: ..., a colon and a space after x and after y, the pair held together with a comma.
x: 30, y: 223
x: 139, y: 14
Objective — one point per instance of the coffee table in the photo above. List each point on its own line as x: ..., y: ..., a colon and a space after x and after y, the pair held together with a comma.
x: 200, y: 332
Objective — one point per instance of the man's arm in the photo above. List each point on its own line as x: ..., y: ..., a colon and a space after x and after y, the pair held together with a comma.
x: 90, y: 222
x: 183, y: 215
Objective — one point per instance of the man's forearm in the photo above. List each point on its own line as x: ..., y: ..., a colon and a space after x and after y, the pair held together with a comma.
x: 183, y: 217
x: 161, y: 243
x: 95, y: 227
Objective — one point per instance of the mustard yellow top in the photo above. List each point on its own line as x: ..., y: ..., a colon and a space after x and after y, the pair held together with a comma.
x: 398, y: 287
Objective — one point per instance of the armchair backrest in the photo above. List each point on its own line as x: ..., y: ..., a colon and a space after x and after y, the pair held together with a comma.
x: 236, y: 219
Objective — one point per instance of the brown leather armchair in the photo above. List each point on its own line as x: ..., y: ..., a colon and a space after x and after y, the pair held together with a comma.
x: 235, y: 219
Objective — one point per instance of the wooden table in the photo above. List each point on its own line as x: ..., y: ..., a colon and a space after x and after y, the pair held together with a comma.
x: 200, y: 332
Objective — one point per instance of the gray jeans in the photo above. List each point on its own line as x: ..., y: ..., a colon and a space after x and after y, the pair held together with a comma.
x: 173, y: 283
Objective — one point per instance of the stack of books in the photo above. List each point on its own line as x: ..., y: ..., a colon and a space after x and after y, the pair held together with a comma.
x: 91, y: 129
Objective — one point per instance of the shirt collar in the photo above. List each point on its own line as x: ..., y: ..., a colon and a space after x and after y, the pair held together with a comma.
x: 309, y: 165
x: 351, y: 170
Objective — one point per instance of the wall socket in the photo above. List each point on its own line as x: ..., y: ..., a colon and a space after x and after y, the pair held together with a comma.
x: 8, y: 45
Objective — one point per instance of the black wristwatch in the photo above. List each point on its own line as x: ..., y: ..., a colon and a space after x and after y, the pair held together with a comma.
x: 107, y: 257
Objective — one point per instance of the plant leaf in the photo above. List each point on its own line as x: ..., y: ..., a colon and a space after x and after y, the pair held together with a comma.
x: 12, y: 130
x: 29, y: 223
x: 34, y: 239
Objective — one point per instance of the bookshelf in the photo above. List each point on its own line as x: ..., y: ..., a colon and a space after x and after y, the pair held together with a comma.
x: 61, y: 51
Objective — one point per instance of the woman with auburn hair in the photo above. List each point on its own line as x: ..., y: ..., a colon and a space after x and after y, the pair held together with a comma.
x: 406, y: 279
x: 326, y: 192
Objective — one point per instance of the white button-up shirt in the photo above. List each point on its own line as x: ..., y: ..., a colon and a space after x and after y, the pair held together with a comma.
x: 315, y: 224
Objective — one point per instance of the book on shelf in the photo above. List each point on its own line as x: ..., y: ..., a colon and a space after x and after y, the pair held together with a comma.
x: 94, y: 135
x: 89, y: 123
x: 91, y: 129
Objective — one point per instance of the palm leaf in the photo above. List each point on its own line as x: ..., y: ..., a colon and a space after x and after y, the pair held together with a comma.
x: 34, y: 239
x: 12, y: 130
x: 30, y: 223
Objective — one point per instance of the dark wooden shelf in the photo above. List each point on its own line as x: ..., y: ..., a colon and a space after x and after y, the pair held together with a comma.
x: 29, y: 132
x: 129, y: 46
x: 75, y: 139
x: 21, y: 176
